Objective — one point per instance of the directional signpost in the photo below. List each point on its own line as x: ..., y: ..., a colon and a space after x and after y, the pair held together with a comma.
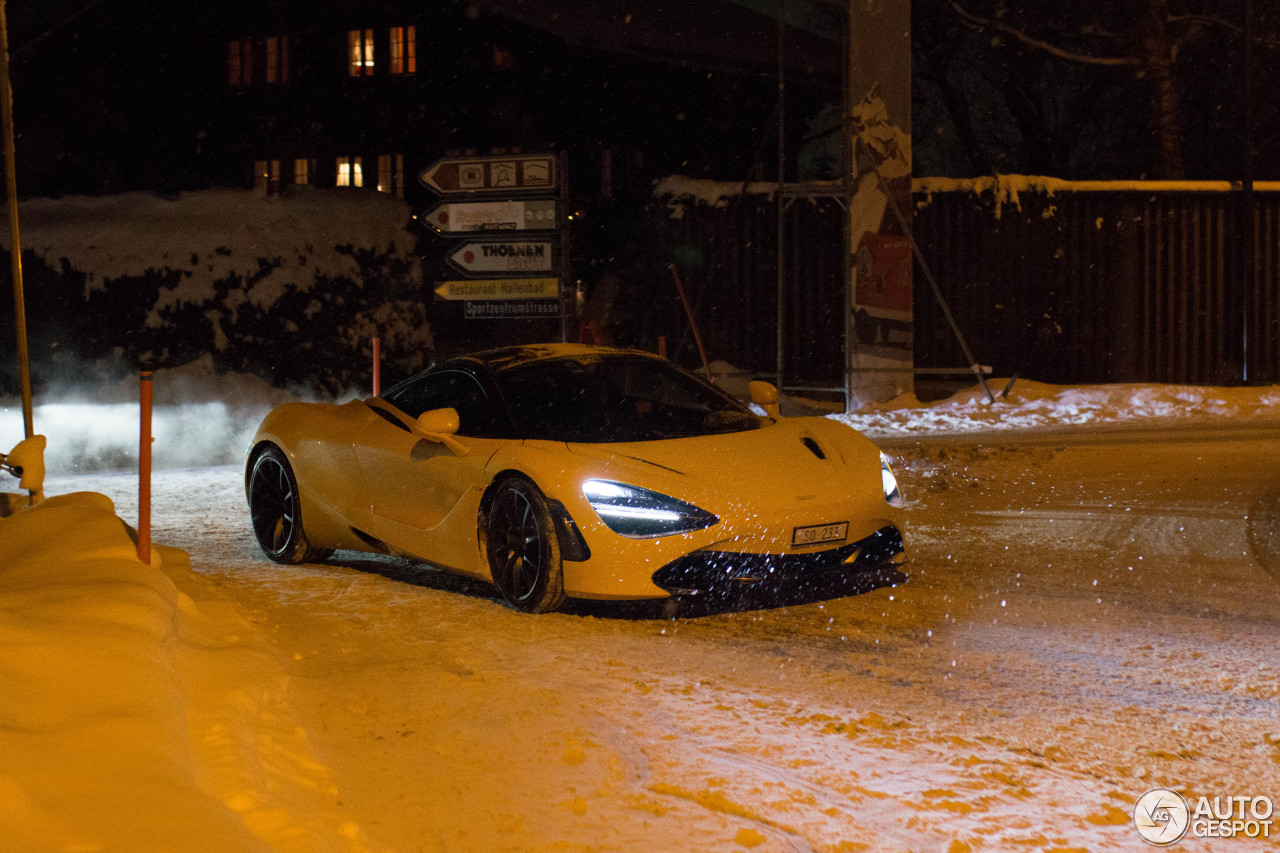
x: 456, y: 217
x: 515, y: 173
x: 504, y: 298
x: 512, y: 257
x: 506, y: 278
x: 500, y: 288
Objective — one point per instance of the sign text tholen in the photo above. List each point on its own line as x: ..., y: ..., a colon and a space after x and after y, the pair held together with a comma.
x: 508, y: 256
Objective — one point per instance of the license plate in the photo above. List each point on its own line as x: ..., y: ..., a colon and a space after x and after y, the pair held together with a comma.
x: 820, y: 533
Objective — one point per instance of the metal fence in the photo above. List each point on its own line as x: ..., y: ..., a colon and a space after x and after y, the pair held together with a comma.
x: 1068, y: 283
x: 1105, y: 283
x: 728, y: 257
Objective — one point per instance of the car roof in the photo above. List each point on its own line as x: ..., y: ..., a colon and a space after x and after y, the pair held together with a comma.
x: 503, y: 358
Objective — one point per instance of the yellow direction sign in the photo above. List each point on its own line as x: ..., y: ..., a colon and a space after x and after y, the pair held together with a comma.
x: 500, y: 288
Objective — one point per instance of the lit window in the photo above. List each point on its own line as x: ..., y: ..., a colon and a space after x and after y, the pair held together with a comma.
x: 350, y: 172
x: 266, y: 176
x: 277, y: 59
x: 301, y: 172
x: 360, y: 53
x: 404, y: 50
x: 240, y: 62
x: 391, y: 174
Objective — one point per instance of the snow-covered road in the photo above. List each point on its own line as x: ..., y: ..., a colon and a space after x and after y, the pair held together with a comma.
x: 1085, y: 617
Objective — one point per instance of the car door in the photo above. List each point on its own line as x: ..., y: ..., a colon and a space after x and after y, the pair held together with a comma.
x: 414, y: 483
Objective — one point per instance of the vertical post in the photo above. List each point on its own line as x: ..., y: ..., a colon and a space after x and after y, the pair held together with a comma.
x: 1250, y: 248
x: 693, y: 322
x: 568, y: 291
x: 849, y: 176
x: 782, y: 205
x: 144, y: 472
x: 15, y: 245
x: 377, y: 366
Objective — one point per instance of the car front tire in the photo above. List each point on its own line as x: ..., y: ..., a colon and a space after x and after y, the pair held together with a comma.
x: 522, y: 547
x: 275, y: 508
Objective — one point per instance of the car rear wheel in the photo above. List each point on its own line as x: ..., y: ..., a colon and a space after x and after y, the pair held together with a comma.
x: 523, y: 551
x: 276, y: 510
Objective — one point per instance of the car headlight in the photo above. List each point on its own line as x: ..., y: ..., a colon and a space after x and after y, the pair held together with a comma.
x: 639, y: 513
x: 891, y: 493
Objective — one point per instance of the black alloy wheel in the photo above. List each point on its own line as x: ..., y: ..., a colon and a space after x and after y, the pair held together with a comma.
x: 523, y: 551
x: 276, y: 511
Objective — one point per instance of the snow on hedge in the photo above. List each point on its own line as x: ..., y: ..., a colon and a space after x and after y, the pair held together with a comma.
x: 212, y: 234
x: 291, y: 287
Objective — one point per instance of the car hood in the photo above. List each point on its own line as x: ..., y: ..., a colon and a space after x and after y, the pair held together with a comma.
x: 799, y: 458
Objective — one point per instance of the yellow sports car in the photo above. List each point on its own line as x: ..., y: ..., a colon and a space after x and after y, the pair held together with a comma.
x: 565, y: 471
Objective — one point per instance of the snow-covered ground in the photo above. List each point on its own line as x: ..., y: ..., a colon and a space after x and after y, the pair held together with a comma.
x: 1091, y: 611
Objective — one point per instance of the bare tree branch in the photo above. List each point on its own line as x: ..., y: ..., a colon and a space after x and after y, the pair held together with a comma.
x: 1263, y: 40
x: 1029, y: 40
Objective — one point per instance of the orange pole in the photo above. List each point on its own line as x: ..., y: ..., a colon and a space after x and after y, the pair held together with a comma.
x: 662, y: 345
x: 377, y: 365
x: 697, y: 336
x: 15, y: 245
x: 144, y: 474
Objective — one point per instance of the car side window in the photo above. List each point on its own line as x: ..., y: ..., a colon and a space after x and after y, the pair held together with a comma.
x: 478, y: 415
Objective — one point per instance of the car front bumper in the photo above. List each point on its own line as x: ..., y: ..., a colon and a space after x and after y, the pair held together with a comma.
x: 712, y: 570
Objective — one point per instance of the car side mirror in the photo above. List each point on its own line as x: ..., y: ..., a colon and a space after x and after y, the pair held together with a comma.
x: 439, y: 425
x: 442, y: 421
x: 765, y: 396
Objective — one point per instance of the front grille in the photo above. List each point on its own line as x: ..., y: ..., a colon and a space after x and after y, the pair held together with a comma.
x: 706, y: 571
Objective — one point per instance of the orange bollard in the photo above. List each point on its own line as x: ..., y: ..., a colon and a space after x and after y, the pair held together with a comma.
x: 662, y: 345
x: 144, y: 473
x: 377, y: 366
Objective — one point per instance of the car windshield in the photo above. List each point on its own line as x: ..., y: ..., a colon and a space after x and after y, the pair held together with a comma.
x: 616, y: 399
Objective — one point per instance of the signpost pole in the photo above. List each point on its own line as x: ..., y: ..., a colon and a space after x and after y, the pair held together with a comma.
x: 567, y: 291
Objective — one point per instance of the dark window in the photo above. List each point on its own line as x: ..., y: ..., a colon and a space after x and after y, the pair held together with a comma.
x: 240, y: 62
x: 277, y: 55
x: 617, y: 399
x: 478, y: 415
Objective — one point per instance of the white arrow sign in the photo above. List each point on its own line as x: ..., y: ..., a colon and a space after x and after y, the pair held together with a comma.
x: 508, y: 256
x: 454, y: 217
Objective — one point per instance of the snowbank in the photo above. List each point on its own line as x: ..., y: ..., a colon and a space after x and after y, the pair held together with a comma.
x: 1036, y: 405
x: 132, y: 717
x: 205, y: 418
